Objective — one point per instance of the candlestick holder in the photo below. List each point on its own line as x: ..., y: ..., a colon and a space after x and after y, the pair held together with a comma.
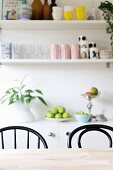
x: 89, y: 98
x: 99, y: 117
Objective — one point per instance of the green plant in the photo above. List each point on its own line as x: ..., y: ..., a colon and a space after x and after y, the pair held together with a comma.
x: 107, y: 11
x: 20, y: 93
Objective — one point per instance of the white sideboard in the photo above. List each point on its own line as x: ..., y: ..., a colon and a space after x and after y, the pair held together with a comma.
x: 56, y: 133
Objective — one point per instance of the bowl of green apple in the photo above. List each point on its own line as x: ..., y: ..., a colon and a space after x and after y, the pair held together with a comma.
x: 58, y: 114
x: 82, y: 116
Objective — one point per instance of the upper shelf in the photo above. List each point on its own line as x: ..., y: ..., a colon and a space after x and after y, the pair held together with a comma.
x: 51, y: 24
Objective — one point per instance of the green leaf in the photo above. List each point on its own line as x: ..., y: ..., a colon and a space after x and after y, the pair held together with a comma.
x: 11, y: 102
x: 42, y: 100
x: 22, y: 98
x: 12, y: 96
x: 28, y: 100
x: 8, y: 91
x: 29, y: 91
x: 14, y: 91
x: 17, y: 97
x: 26, y: 95
x: 39, y: 91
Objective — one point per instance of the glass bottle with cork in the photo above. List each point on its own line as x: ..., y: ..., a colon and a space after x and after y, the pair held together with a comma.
x: 46, y: 10
x: 36, y: 10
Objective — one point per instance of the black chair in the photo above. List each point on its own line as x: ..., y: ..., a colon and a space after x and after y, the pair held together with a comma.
x: 105, y: 129
x: 41, y: 142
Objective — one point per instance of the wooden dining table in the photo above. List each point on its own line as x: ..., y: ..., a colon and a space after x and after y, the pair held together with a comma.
x: 56, y: 159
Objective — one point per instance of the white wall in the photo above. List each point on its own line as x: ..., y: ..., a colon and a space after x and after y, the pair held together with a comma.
x: 63, y: 84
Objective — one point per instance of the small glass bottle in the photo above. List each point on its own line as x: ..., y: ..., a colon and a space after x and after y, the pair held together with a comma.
x: 53, y: 3
x: 46, y: 10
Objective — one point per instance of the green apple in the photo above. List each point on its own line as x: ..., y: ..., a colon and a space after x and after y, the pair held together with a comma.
x: 66, y: 115
x: 60, y: 109
x: 94, y: 91
x: 80, y: 113
x: 54, y: 110
x: 58, y: 116
x: 49, y: 114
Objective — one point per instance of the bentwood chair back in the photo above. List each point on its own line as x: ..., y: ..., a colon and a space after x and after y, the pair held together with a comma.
x: 18, y: 134
x: 82, y: 130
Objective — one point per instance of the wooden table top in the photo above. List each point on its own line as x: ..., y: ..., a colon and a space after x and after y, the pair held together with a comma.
x: 57, y: 159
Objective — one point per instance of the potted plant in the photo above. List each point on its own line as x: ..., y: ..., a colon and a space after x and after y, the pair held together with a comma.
x: 20, y: 97
x: 107, y: 11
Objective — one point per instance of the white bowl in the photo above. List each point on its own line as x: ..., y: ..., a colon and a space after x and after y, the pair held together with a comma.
x: 82, y: 118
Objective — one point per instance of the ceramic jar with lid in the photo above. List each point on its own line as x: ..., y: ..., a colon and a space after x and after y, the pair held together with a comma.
x: 24, y: 12
x: 94, y: 53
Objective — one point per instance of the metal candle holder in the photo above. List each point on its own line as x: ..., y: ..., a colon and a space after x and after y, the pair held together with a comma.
x: 90, y: 104
x: 99, y: 117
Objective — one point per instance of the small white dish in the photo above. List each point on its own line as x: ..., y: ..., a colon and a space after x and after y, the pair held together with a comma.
x: 58, y: 120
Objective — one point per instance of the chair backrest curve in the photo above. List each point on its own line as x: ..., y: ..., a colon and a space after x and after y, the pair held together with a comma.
x: 87, y: 128
x: 40, y: 138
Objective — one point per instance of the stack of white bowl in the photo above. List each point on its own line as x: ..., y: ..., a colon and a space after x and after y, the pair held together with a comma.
x: 106, y: 54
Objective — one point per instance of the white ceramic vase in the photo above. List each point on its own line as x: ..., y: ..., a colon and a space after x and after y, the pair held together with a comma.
x: 37, y: 109
x: 21, y: 113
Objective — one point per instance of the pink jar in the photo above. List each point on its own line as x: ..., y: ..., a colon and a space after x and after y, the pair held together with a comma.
x: 75, y: 51
x: 65, y: 51
x: 55, y: 51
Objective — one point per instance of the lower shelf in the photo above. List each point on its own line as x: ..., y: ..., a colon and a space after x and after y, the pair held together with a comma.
x: 58, y: 61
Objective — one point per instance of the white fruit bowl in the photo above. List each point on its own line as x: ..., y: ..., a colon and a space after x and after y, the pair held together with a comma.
x: 58, y: 119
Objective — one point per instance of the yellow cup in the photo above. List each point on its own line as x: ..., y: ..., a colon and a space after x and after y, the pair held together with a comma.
x: 80, y: 8
x: 68, y: 15
x: 80, y: 13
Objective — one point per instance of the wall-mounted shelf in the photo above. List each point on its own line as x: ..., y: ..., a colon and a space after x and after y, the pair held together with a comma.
x: 51, y: 24
x: 49, y: 61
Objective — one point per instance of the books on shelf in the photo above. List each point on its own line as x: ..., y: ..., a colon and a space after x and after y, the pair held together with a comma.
x: 9, y: 8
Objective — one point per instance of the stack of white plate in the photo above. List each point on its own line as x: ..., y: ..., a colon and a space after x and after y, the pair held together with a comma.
x: 106, y: 54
